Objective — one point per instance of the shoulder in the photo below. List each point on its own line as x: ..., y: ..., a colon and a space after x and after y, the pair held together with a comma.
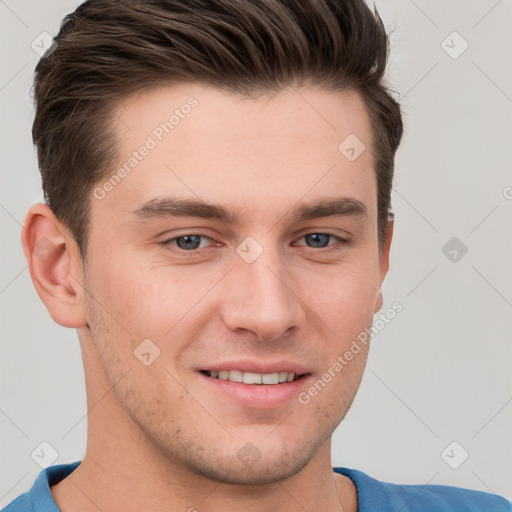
x: 21, y: 504
x: 375, y: 495
x: 39, y: 498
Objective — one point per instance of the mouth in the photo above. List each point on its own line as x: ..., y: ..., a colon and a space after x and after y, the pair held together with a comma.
x: 253, y: 378
x: 263, y: 391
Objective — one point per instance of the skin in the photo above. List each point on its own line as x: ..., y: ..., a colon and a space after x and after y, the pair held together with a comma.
x: 162, y: 435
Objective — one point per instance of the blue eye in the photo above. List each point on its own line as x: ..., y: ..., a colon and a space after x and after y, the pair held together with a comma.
x: 319, y: 238
x: 192, y: 242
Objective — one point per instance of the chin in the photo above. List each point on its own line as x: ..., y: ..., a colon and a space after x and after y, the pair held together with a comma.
x: 253, y: 460
x: 264, y: 471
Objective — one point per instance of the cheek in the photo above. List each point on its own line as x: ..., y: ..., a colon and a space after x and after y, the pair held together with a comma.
x: 344, y: 294
x: 117, y: 318
x: 126, y: 293
x: 139, y: 310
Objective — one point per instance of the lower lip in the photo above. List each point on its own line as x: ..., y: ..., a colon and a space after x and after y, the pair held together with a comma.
x: 259, y: 396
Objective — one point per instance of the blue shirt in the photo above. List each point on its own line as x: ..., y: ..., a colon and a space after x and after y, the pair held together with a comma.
x: 372, y: 495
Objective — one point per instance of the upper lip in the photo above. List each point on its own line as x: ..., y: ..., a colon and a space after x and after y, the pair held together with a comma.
x: 258, y: 367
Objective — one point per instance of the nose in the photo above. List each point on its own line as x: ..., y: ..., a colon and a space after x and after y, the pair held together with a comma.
x: 261, y: 298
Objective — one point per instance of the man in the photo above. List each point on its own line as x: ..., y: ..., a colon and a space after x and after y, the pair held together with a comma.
x: 217, y: 230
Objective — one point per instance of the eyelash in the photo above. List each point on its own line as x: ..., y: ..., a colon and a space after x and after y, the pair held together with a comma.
x: 339, y: 242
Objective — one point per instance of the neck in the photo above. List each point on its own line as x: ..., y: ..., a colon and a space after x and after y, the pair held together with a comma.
x: 120, y: 479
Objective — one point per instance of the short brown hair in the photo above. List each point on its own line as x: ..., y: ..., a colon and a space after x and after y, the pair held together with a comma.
x: 108, y: 49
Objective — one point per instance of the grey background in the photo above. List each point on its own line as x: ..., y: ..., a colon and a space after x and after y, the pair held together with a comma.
x: 439, y: 372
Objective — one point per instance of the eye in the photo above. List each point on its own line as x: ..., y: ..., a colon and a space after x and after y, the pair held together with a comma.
x: 187, y: 242
x: 191, y: 242
x: 320, y: 240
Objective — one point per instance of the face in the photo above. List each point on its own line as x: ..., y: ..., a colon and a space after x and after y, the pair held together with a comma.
x: 244, y: 279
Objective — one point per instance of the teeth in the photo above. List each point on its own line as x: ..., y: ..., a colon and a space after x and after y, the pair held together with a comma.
x: 253, y: 378
x: 269, y: 378
x: 236, y: 376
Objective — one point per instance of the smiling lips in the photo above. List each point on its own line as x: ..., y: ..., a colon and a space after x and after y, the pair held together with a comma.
x: 251, y: 377
x: 255, y: 384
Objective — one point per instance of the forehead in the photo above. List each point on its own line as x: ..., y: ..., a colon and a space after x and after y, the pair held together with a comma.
x: 212, y: 115
x: 199, y: 142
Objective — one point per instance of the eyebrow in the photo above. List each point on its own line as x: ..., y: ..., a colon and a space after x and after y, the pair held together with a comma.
x: 181, y: 207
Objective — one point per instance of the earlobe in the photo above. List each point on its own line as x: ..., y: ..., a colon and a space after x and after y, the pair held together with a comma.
x: 55, y: 266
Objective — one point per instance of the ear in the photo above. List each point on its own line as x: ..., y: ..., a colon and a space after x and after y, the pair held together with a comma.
x: 384, y: 260
x: 55, y: 265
